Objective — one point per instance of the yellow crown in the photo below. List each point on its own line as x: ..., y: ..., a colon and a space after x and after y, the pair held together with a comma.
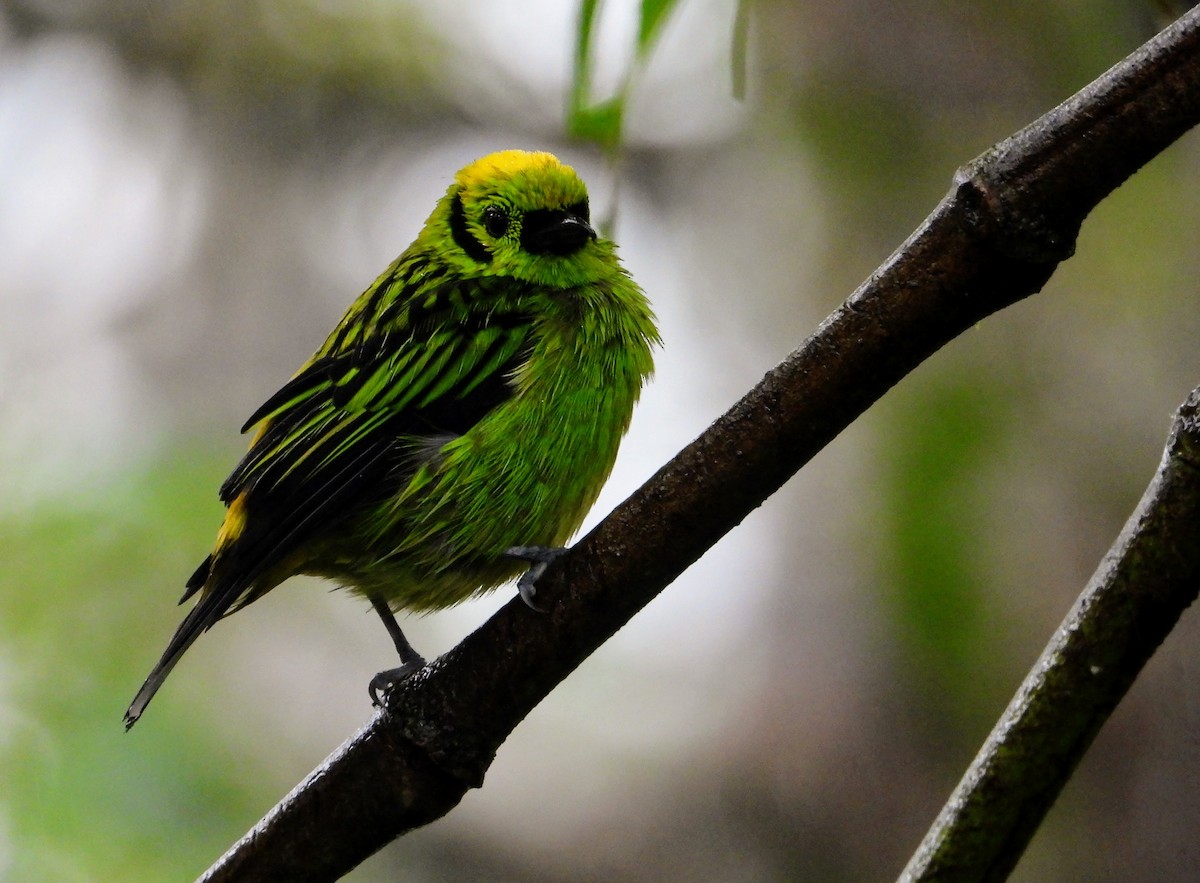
x: 508, y: 164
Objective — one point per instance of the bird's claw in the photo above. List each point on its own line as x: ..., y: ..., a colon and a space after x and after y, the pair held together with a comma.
x: 527, y: 586
x: 539, y: 557
x: 384, y: 682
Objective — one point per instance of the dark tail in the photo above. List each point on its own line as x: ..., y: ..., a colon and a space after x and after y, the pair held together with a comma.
x: 211, y: 607
x: 224, y: 586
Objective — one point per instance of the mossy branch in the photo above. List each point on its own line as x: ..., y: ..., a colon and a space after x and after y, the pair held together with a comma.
x: 1011, y: 216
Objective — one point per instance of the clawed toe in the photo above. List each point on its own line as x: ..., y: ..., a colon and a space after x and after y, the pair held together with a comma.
x: 540, y: 557
x: 384, y: 682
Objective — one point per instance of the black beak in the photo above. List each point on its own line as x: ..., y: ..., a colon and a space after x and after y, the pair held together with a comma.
x: 549, y: 231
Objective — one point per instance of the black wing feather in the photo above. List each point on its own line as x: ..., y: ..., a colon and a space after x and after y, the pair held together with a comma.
x: 343, y: 459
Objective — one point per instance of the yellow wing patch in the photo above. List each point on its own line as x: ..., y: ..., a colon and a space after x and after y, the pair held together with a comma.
x: 234, y: 523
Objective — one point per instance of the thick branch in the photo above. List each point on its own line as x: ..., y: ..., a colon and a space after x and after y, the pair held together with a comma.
x: 1143, y: 585
x: 1011, y: 216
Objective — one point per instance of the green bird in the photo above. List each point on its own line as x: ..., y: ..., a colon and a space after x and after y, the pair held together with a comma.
x: 457, y: 424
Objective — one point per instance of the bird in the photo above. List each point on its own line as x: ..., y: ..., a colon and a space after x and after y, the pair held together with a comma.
x: 456, y: 425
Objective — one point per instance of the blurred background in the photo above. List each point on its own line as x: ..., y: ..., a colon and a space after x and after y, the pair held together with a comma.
x: 191, y: 193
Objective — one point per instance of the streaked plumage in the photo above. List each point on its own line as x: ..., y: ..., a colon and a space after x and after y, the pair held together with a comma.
x: 471, y: 400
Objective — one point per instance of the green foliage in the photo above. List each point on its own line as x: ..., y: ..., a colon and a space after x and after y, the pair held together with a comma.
x: 84, y: 801
x: 601, y: 121
x: 740, y: 48
x: 937, y: 533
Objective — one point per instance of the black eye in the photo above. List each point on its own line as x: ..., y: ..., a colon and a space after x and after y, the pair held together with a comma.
x: 579, y: 210
x: 495, y: 221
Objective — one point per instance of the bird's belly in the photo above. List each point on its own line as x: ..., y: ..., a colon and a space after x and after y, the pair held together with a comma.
x: 522, y: 478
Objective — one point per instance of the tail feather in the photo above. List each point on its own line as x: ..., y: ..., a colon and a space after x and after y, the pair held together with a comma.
x: 199, y: 579
x: 211, y: 607
x: 228, y: 586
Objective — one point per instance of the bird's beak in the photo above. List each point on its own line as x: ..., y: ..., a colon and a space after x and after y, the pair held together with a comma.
x: 555, y: 232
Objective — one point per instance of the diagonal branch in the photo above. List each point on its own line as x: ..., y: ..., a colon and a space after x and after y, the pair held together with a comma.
x: 1143, y: 585
x: 1010, y: 218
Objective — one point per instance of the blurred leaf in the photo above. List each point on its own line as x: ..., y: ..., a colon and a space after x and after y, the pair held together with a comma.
x: 654, y: 13
x: 583, y: 39
x: 86, y: 598
x: 582, y: 83
x: 942, y: 437
x: 740, y: 47
x: 600, y: 123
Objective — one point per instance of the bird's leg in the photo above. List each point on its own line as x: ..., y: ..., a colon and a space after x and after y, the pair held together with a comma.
x: 540, y: 557
x: 410, y: 660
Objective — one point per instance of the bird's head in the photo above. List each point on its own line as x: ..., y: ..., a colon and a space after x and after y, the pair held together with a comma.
x: 520, y: 214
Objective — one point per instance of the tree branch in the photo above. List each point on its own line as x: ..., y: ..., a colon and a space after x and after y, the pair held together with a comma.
x: 1145, y: 582
x: 1010, y: 218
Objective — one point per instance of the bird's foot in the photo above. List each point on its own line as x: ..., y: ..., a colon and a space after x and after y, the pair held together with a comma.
x: 540, y: 557
x: 384, y: 682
